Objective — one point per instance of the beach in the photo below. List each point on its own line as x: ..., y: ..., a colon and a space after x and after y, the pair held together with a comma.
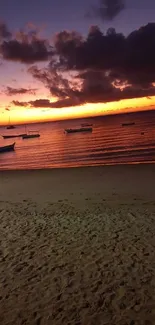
x: 78, y: 246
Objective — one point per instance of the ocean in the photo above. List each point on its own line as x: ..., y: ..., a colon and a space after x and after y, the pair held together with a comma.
x: 108, y: 144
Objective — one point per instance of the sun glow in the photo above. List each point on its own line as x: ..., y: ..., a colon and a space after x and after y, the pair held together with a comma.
x: 27, y: 115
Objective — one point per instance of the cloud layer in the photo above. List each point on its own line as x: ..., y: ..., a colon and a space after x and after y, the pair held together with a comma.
x: 106, y: 67
x: 101, y: 67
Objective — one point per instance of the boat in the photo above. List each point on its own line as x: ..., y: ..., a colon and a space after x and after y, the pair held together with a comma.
x: 7, y: 148
x: 89, y: 129
x: 13, y: 136
x: 128, y: 124
x: 86, y: 124
x: 30, y: 136
x: 10, y: 127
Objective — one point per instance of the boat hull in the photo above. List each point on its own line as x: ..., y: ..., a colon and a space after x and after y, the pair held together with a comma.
x: 8, y: 148
x: 10, y: 127
x: 78, y: 130
x: 128, y: 124
x: 13, y: 136
x: 86, y: 125
x: 30, y: 136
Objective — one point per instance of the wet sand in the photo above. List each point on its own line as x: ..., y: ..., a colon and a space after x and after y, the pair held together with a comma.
x: 77, y: 246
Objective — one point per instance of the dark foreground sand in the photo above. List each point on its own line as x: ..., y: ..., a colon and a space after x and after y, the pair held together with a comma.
x: 77, y: 246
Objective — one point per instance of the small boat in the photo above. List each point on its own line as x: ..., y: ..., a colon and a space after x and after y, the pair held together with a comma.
x: 30, y: 136
x: 7, y: 148
x: 86, y: 124
x: 128, y: 124
x: 89, y: 129
x: 10, y: 127
x: 13, y: 136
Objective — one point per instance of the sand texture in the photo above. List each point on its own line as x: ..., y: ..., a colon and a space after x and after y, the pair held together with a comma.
x: 78, y: 246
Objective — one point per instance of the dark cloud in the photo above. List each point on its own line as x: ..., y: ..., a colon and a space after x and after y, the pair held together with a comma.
x: 17, y: 103
x: 101, y: 67
x: 38, y: 103
x: 26, y: 48
x: 109, y: 9
x: 68, y: 102
x: 65, y: 44
x: 4, y: 32
x: 25, y: 52
x: 10, y: 91
x: 90, y: 93
x: 106, y: 10
x: 96, y: 51
x: 45, y: 103
x: 126, y: 58
x: 58, y: 85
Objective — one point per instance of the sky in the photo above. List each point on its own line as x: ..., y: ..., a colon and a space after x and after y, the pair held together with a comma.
x: 58, y: 61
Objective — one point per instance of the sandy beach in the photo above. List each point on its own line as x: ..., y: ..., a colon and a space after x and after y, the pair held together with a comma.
x: 77, y: 246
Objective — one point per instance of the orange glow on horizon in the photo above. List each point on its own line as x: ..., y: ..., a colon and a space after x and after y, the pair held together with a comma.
x: 22, y: 115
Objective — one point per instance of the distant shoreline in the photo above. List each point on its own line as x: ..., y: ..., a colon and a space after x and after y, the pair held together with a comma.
x: 85, y: 118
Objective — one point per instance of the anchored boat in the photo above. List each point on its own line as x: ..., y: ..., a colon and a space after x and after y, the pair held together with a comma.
x: 128, y: 124
x: 30, y: 136
x: 8, y: 148
x: 86, y: 124
x: 13, y: 136
x: 89, y: 129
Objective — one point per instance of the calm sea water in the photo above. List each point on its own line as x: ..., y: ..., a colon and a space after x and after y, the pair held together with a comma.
x: 109, y: 143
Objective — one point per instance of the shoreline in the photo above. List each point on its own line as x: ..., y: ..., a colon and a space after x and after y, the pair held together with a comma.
x: 123, y: 165
x: 124, y: 182
x: 147, y: 163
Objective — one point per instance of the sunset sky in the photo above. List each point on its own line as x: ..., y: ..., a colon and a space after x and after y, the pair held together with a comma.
x: 60, y: 59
